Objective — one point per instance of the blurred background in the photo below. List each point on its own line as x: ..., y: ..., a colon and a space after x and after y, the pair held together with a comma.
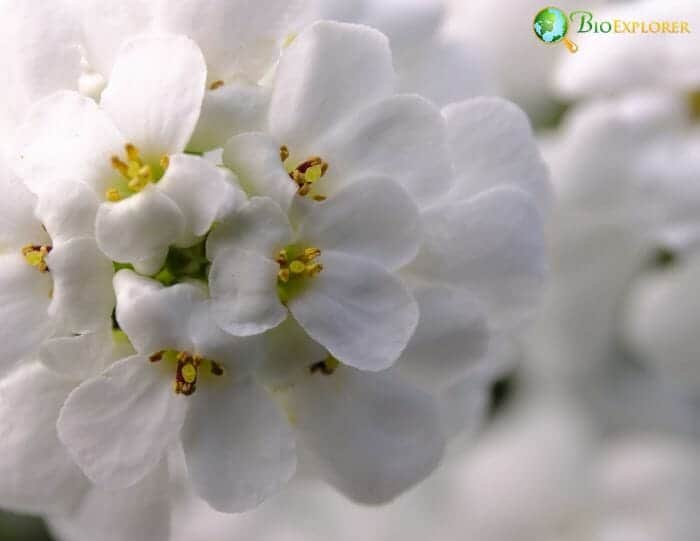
x: 592, y: 426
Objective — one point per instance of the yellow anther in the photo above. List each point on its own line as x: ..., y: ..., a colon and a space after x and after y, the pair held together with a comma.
x: 314, y: 269
x: 35, y: 256
x: 137, y: 173
x: 120, y: 166
x: 113, y: 195
x: 297, y: 267
x: 216, y: 84
x: 311, y: 253
x: 132, y: 153
x: 283, y: 275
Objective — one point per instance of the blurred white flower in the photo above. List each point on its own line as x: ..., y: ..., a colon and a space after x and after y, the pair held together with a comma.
x: 427, y: 61
x: 616, y: 63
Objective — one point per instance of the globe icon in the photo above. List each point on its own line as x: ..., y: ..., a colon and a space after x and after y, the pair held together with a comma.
x: 551, y: 26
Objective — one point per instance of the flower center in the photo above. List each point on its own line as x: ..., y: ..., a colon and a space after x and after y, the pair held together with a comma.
x: 135, y: 173
x: 306, y: 174
x: 36, y: 255
x: 188, y: 368
x: 297, y: 265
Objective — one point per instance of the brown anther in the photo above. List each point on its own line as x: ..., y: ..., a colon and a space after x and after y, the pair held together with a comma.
x: 132, y: 152
x: 327, y: 367
x: 284, y: 153
x: 304, y: 166
x: 156, y: 357
x: 216, y: 368
x: 216, y: 84
x: 319, y: 198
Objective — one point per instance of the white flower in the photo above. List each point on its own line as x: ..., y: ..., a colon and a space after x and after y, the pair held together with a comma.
x: 37, y: 474
x: 240, y: 42
x: 53, y: 279
x: 332, y: 273
x: 128, y: 150
x: 40, y: 56
x: 333, y: 100
x: 188, y: 382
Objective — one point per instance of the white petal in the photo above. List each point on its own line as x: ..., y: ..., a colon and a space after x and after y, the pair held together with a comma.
x: 464, y: 406
x: 330, y: 71
x: 260, y: 227
x: 290, y: 352
x: 201, y: 191
x: 372, y: 436
x: 493, y: 245
x: 358, y: 311
x: 236, y: 107
x: 18, y: 225
x: 402, y: 138
x: 82, y: 285
x: 140, y: 227
x: 68, y: 210
x: 255, y: 158
x: 493, y: 144
x: 155, y: 93
x: 244, y: 292
x: 374, y: 219
x: 36, y: 472
x: 239, y: 355
x: 451, y: 336
x: 107, y: 24
x: 66, y: 137
x: 118, y: 426
x: 238, y: 446
x: 138, y: 513
x: 155, y: 317
x: 40, y: 56
x: 80, y: 357
x: 236, y: 37
x: 25, y: 295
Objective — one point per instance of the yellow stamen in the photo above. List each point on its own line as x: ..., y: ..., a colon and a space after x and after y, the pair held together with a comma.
x: 137, y: 173
x: 36, y: 255
x: 113, y: 195
x: 306, y: 174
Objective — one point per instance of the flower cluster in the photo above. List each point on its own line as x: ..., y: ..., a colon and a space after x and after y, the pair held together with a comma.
x: 319, y: 289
